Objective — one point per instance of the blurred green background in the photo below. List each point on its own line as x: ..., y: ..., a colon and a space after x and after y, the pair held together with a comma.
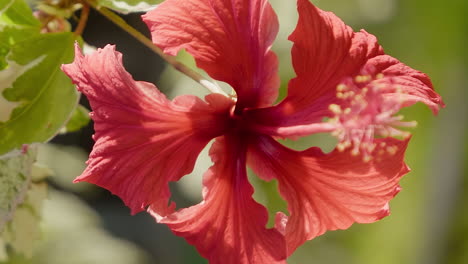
x: 429, y: 221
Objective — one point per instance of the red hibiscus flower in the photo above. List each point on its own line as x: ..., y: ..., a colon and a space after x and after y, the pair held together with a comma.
x: 345, y: 85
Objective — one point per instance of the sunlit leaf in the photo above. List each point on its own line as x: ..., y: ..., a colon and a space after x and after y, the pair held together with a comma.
x: 18, y: 13
x: 44, y: 94
x: 64, y: 10
x: 9, y: 36
x: 17, y: 23
x: 129, y: 6
x: 78, y: 120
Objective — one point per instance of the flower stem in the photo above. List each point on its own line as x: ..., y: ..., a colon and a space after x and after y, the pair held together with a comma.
x: 211, y: 86
x: 83, y: 19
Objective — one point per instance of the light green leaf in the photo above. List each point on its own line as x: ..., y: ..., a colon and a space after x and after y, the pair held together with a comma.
x: 45, y: 95
x: 79, y: 119
x: 9, y: 36
x: 63, y: 10
x: 8, y: 77
x: 18, y: 13
x: 17, y: 23
x: 129, y: 6
x: 15, y: 177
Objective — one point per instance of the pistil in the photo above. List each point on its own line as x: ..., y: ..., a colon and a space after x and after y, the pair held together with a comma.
x: 367, y: 109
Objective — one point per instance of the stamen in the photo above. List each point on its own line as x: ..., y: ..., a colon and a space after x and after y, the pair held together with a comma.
x: 367, y: 111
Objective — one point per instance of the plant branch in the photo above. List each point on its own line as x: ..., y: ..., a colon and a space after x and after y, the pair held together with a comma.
x: 83, y: 19
x: 211, y: 86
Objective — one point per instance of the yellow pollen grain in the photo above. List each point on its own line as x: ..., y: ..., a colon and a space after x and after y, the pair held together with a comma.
x: 392, y: 150
x: 340, y: 95
x: 343, y: 145
x: 336, y: 109
x: 379, y: 76
x: 347, y: 111
x: 340, y: 147
x: 367, y: 158
x: 341, y: 88
x: 362, y: 78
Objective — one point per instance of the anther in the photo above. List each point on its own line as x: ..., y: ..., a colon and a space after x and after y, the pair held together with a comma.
x: 365, y: 112
x: 336, y: 109
x: 341, y: 88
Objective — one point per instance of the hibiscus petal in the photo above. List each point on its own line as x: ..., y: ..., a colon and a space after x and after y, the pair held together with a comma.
x: 327, y: 53
x: 382, y: 87
x: 143, y: 140
x: 228, y: 227
x: 230, y: 40
x: 329, y: 191
x: 410, y: 86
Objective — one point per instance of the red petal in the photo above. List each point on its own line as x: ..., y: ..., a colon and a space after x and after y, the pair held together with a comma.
x: 411, y: 85
x: 329, y: 191
x: 327, y: 53
x: 143, y: 140
x: 228, y: 227
x: 230, y: 40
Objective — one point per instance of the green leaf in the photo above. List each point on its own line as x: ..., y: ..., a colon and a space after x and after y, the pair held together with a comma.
x: 43, y: 94
x: 18, y: 13
x: 9, y: 36
x: 79, y: 119
x: 15, y: 177
x: 17, y: 23
x: 129, y: 6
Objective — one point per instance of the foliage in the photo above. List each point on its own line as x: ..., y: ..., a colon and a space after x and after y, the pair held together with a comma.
x: 129, y: 6
x: 36, y: 101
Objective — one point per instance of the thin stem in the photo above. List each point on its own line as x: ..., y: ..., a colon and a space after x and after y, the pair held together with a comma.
x: 83, y: 19
x: 211, y: 86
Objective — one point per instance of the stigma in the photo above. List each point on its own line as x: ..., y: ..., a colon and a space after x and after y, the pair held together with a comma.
x: 366, y: 109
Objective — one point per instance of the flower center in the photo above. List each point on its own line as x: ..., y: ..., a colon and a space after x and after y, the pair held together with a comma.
x: 366, y: 109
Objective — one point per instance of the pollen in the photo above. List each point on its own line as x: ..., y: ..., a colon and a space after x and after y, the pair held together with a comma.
x: 362, y: 78
x: 367, y: 108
